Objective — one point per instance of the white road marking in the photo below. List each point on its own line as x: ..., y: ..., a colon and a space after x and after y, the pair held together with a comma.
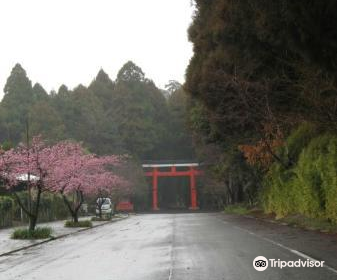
x: 300, y: 254
x: 170, y: 275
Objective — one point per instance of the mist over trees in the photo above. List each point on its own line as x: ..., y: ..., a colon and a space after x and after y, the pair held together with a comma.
x: 129, y: 115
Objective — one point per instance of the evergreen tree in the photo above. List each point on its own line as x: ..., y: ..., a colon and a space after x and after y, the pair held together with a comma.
x: 103, y: 88
x: 180, y: 144
x: 141, y: 112
x: 130, y: 72
x: 15, y: 104
x: 44, y: 120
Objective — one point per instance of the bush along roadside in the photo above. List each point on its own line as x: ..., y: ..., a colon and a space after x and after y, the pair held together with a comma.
x: 52, y: 208
x: 6, y: 211
x: 85, y: 223
x: 293, y: 220
x: 308, y: 188
x: 103, y: 219
x: 38, y: 233
x: 239, y: 209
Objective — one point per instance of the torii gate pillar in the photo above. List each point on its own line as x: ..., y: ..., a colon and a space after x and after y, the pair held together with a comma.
x: 193, y: 190
x: 155, y: 189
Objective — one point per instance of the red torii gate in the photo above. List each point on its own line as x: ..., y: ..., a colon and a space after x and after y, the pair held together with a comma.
x: 155, y: 173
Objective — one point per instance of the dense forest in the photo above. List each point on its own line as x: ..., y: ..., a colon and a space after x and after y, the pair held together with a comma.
x: 263, y: 103
x: 129, y: 115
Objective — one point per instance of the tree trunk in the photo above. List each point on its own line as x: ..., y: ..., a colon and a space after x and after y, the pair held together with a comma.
x: 34, y: 216
x: 67, y: 203
x: 75, y: 217
x: 32, y: 222
x: 32, y: 213
x: 73, y: 211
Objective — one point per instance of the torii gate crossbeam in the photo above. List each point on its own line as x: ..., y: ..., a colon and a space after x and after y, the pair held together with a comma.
x: 155, y: 173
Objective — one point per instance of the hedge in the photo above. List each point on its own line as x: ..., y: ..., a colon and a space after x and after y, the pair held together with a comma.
x: 6, y: 211
x: 52, y: 208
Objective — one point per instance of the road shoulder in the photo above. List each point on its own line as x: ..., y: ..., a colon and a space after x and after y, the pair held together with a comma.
x: 9, y: 246
x: 318, y: 245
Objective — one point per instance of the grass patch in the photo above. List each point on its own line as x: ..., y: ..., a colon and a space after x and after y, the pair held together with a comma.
x: 103, y: 219
x: 38, y: 233
x: 86, y: 223
x: 310, y: 223
x: 236, y: 209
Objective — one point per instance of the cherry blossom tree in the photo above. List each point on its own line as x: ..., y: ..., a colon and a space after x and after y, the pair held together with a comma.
x: 79, y: 174
x: 64, y: 168
x: 29, y: 164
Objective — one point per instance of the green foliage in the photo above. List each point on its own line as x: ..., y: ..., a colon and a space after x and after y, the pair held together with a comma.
x: 7, y: 145
x: 45, y: 121
x: 6, y: 211
x: 277, y: 194
x: 6, y: 204
x: 38, y: 233
x: 316, y: 176
x: 299, y: 139
x: 140, y: 111
x: 15, y: 105
x: 180, y: 140
x: 51, y: 208
x: 310, y: 223
x: 129, y: 115
x: 86, y: 223
x: 310, y: 186
x: 236, y: 209
x: 103, y: 219
x: 247, y: 71
x: 130, y: 72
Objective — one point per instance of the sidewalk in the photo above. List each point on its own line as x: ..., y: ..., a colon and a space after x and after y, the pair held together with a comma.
x: 8, y: 245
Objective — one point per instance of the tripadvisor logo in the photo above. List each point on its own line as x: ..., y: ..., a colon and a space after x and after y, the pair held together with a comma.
x: 260, y: 263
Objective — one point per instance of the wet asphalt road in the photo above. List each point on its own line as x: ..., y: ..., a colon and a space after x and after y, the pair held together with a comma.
x: 193, y: 246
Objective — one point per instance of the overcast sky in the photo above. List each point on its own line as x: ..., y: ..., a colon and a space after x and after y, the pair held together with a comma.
x: 68, y: 41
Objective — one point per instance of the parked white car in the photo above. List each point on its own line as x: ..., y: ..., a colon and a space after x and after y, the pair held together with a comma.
x: 107, y: 206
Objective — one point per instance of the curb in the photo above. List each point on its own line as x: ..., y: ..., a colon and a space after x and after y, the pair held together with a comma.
x: 289, y: 225
x: 61, y: 236
x: 264, y: 220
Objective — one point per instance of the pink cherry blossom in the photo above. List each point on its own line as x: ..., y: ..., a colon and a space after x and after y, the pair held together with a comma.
x: 63, y: 168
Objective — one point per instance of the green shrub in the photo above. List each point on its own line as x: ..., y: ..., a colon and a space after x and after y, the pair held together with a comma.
x: 328, y: 168
x: 6, y: 211
x: 85, y: 223
x: 299, y: 139
x: 310, y: 223
x: 309, y: 187
x: 98, y: 219
x: 52, y: 208
x: 38, y: 233
x: 277, y: 196
x: 316, y: 178
x: 239, y: 209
